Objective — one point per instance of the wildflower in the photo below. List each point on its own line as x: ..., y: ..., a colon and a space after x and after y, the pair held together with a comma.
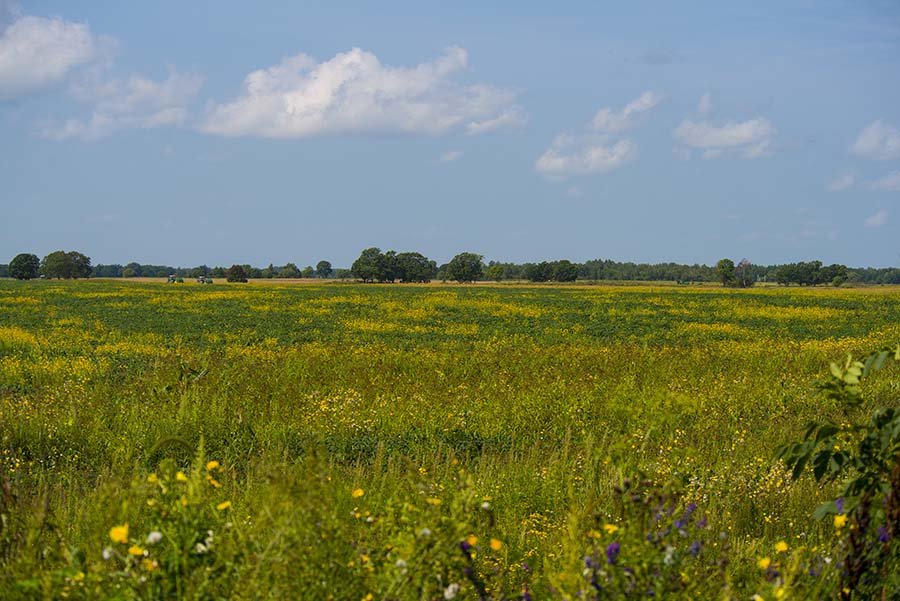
x: 107, y: 553
x: 401, y: 564
x: 181, y: 477
x: 200, y: 548
x: 433, y: 501
x: 368, y: 597
x: 152, y: 479
x: 424, y: 532
x: 694, y: 549
x: 357, y: 493
x: 610, y: 528
x: 212, y: 465
x: 223, y: 505
x: 612, y: 552
x: 472, y: 540
x: 883, y: 534
x: 764, y: 563
x: 154, y: 537
x: 593, y: 534
x: 451, y: 591
x: 840, y: 521
x: 119, y: 534
x: 496, y: 545
x: 135, y: 550
x: 839, y: 503
x: 149, y: 564
x: 669, y: 557
x: 486, y: 506
x: 781, y: 547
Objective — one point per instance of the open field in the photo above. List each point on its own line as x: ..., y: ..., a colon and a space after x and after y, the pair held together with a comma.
x: 416, y: 442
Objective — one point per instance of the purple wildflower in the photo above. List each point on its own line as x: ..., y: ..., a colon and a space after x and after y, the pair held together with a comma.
x: 839, y: 503
x: 883, y: 534
x: 612, y: 552
x: 695, y: 548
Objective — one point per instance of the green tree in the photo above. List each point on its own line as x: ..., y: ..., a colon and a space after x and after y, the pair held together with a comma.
x: 465, y: 267
x: 743, y: 274
x: 368, y: 266
x: 414, y: 267
x: 565, y: 271
x: 289, y: 271
x: 236, y: 273
x: 308, y: 272
x: 494, y: 272
x: 725, y: 272
x: 323, y: 269
x: 57, y: 265
x: 24, y: 266
x: 81, y: 264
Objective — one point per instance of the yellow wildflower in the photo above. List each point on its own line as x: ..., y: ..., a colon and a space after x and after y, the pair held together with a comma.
x: 135, y: 550
x: 472, y: 540
x: 764, y: 563
x: 781, y: 546
x: 152, y: 479
x: 496, y: 545
x: 119, y: 534
x: 212, y: 481
x: 433, y: 501
x: 840, y: 521
x: 223, y: 505
x: 593, y: 534
x: 212, y: 465
x: 610, y: 528
x: 149, y: 564
x: 181, y: 477
x: 357, y: 493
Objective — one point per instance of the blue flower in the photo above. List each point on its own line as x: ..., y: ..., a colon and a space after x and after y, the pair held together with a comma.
x: 612, y: 552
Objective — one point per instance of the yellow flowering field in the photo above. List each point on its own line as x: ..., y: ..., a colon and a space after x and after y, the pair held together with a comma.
x: 344, y: 441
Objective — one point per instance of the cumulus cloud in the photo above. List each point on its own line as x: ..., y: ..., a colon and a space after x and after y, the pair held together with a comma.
x: 888, y: 183
x: 38, y: 53
x: 136, y: 102
x: 353, y: 92
x: 450, y: 156
x: 568, y: 155
x: 878, y: 219
x: 608, y: 120
x: 841, y: 182
x: 880, y: 141
x: 748, y: 139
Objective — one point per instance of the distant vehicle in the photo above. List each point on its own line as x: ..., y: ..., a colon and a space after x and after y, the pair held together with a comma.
x: 204, y: 280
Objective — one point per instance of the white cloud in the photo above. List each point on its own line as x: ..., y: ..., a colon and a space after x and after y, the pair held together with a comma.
x: 511, y: 117
x: 608, y: 120
x: 749, y: 139
x: 450, y: 156
x: 877, y: 220
x: 573, y: 156
x: 888, y: 183
x: 879, y: 141
x: 137, y: 102
x: 705, y: 105
x: 841, y: 182
x: 354, y: 92
x: 37, y: 53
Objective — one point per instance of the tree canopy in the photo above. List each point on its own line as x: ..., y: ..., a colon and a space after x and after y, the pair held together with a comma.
x: 465, y: 267
x: 24, y: 266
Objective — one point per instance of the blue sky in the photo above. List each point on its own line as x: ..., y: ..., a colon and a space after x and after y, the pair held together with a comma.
x: 217, y: 132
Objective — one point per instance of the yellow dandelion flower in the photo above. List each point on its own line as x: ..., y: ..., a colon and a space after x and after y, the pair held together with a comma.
x: 781, y: 547
x: 764, y: 563
x: 135, y: 550
x: 433, y: 501
x: 212, y: 481
x: 610, y: 528
x: 472, y: 540
x: 496, y: 545
x: 152, y: 479
x: 212, y: 465
x: 119, y: 534
x: 593, y: 534
x: 840, y: 521
x: 223, y: 505
x: 357, y: 493
x: 149, y: 564
x: 181, y: 477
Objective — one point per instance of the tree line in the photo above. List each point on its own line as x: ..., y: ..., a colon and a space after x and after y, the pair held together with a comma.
x: 373, y: 265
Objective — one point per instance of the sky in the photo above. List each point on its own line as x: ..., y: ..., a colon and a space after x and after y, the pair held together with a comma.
x: 187, y: 133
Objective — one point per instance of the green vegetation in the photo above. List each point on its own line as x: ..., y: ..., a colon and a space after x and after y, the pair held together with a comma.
x: 426, y: 442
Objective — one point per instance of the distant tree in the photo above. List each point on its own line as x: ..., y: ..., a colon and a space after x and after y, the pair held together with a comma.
x: 367, y: 266
x: 269, y: 272
x: 343, y: 274
x: 4, y: 271
x: 308, y: 272
x: 236, y: 273
x: 565, y: 271
x: 743, y: 274
x: 24, y: 266
x: 218, y: 271
x: 289, y: 271
x: 538, y: 272
x: 107, y: 271
x: 465, y: 267
x: 725, y: 271
x: 323, y: 269
x: 414, y: 267
x: 129, y: 272
x: 81, y: 264
x: 57, y: 265
x: 494, y: 272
